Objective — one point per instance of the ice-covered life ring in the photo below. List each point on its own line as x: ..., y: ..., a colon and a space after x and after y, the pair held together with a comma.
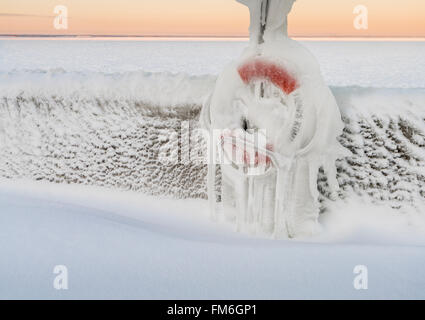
x: 277, y: 87
x: 269, y: 80
x: 262, y: 69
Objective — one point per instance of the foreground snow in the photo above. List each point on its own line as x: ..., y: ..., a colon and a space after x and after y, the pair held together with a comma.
x: 126, y: 245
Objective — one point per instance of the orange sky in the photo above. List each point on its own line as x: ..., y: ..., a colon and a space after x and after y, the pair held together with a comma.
x: 208, y: 17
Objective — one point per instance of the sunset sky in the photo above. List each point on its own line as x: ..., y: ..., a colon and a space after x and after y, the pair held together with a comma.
x: 389, y: 18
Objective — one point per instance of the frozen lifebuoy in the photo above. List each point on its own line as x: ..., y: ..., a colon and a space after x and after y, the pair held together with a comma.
x: 277, y: 124
x: 264, y: 70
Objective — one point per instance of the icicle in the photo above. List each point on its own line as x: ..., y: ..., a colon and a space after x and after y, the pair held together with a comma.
x: 242, y: 202
x: 250, y: 220
x: 211, y: 179
x: 280, y: 198
x: 291, y: 187
x: 259, y: 204
x: 313, y: 172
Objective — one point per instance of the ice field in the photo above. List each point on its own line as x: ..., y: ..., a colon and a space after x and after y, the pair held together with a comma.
x: 397, y: 64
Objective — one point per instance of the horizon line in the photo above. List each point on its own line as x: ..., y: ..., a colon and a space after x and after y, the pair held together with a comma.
x: 41, y: 35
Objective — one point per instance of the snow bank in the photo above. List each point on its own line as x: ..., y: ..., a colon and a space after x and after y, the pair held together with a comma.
x: 108, y: 129
x: 123, y: 245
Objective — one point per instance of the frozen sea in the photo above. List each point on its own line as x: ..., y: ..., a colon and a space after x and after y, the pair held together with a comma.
x: 390, y: 64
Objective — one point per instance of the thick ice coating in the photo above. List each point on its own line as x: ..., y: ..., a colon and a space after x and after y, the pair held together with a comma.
x: 275, y: 88
x: 268, y: 17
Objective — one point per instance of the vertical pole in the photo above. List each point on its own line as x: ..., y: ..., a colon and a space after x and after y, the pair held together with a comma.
x: 263, y: 19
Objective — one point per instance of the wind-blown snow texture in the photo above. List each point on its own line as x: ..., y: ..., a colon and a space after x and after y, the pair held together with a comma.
x: 124, y: 245
x: 107, y: 130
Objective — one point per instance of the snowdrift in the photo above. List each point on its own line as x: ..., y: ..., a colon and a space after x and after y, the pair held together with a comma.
x: 110, y: 129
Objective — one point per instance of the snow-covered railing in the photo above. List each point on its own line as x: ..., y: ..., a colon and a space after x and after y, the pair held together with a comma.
x: 114, y: 139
